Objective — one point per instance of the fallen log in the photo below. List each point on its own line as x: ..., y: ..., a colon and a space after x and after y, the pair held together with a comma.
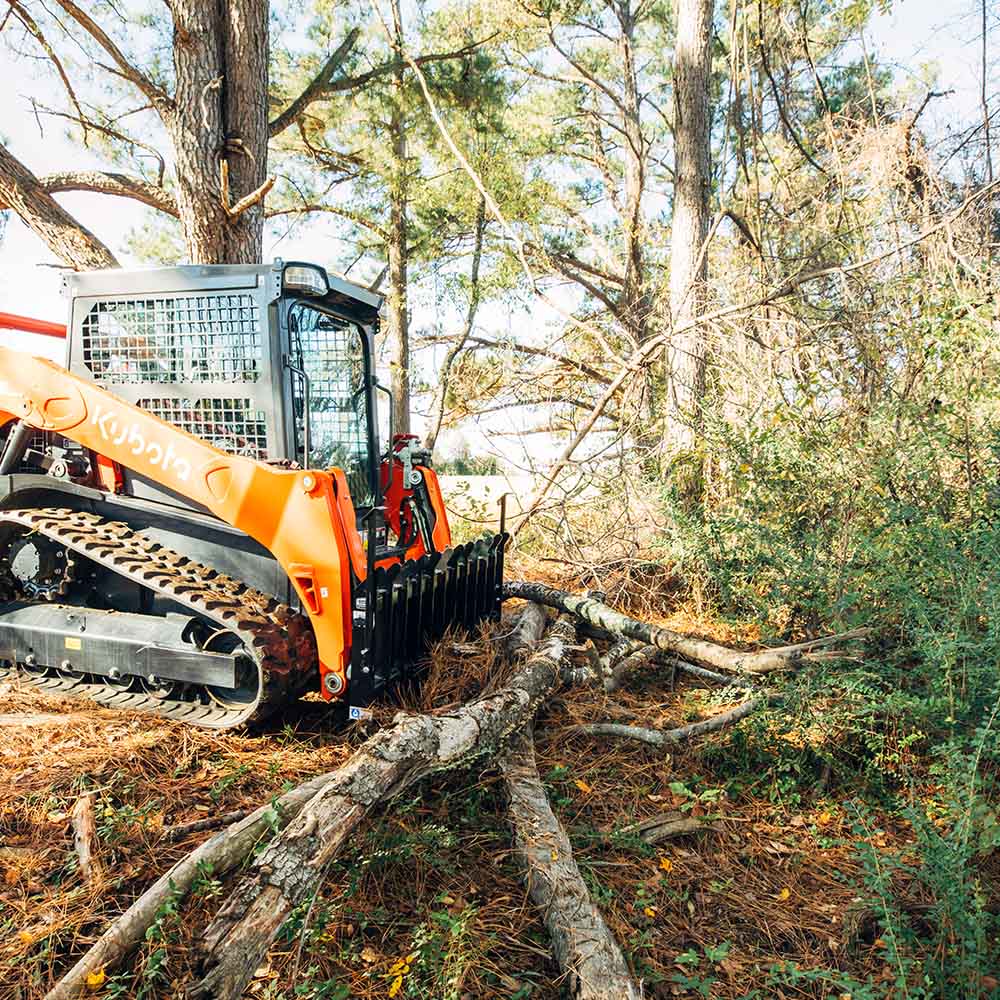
x: 289, y: 870
x: 526, y: 630
x: 219, y: 854
x: 735, y: 661
x: 582, y: 944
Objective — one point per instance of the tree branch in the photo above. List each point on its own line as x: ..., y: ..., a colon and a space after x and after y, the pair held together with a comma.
x: 155, y: 94
x: 322, y: 87
x: 316, y: 86
x: 71, y: 242
x: 670, y: 737
x: 290, y: 868
x: 32, y: 27
x: 100, y: 182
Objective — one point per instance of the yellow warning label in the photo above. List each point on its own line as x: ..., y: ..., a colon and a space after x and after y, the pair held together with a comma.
x: 72, y: 643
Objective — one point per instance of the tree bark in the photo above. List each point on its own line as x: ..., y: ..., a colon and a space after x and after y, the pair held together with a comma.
x: 219, y: 113
x: 291, y: 868
x: 582, y: 944
x: 689, y: 226
x: 73, y: 244
x: 398, y: 327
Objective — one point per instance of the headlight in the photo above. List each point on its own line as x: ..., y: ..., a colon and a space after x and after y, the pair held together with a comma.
x: 305, y: 279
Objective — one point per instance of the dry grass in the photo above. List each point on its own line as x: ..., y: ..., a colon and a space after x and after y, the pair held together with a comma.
x: 434, y: 875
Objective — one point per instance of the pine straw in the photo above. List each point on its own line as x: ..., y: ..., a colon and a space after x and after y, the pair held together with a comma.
x: 436, y: 867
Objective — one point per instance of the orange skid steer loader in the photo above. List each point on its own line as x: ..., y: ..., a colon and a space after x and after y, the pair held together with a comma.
x: 199, y: 516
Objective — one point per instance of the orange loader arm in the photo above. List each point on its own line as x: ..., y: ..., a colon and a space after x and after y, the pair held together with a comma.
x: 297, y: 515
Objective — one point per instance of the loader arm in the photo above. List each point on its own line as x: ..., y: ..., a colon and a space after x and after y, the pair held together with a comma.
x: 299, y: 516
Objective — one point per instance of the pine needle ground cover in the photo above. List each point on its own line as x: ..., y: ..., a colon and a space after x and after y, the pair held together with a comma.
x: 803, y: 879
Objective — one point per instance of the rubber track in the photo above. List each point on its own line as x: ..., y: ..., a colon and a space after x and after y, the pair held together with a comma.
x: 278, y: 639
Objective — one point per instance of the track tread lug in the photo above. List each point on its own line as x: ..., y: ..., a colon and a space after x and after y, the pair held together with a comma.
x: 269, y: 630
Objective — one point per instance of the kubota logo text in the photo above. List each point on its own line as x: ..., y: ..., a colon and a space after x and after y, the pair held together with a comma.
x: 127, y: 433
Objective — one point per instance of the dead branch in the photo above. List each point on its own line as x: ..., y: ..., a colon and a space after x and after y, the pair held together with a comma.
x: 247, y: 201
x: 84, y: 838
x: 181, y: 830
x: 290, y: 869
x: 665, y: 826
x: 702, y: 673
x: 582, y: 944
x: 635, y: 659
x: 671, y: 737
x: 526, y: 631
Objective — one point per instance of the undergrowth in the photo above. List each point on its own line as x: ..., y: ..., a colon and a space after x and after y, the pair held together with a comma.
x: 804, y: 526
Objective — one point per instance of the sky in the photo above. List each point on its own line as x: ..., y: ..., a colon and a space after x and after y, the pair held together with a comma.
x: 912, y: 35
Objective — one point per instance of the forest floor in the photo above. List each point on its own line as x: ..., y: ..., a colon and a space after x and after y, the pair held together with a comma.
x: 429, y: 902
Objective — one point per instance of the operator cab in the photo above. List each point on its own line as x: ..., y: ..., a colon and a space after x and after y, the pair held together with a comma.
x: 274, y: 362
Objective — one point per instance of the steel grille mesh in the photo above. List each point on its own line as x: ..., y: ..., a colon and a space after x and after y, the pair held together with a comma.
x: 331, y: 354
x: 181, y: 338
x: 232, y: 425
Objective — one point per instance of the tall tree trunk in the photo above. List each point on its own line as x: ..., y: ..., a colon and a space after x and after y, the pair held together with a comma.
x: 245, y: 105
x: 219, y: 116
x: 73, y: 244
x: 689, y: 230
x: 983, y: 101
x: 398, y: 318
x: 635, y: 295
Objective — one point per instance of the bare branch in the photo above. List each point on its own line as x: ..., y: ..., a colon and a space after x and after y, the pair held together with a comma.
x: 157, y: 97
x: 670, y: 737
x: 248, y: 200
x: 32, y: 27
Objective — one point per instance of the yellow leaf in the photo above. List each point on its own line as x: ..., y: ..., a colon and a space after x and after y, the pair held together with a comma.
x: 583, y: 786
x: 649, y: 911
x: 26, y: 937
x: 555, y: 855
x: 823, y: 818
x: 396, y: 986
x: 784, y: 894
x: 666, y: 864
x: 95, y: 980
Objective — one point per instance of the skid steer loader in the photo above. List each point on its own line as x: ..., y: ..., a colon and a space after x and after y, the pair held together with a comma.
x: 199, y: 516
